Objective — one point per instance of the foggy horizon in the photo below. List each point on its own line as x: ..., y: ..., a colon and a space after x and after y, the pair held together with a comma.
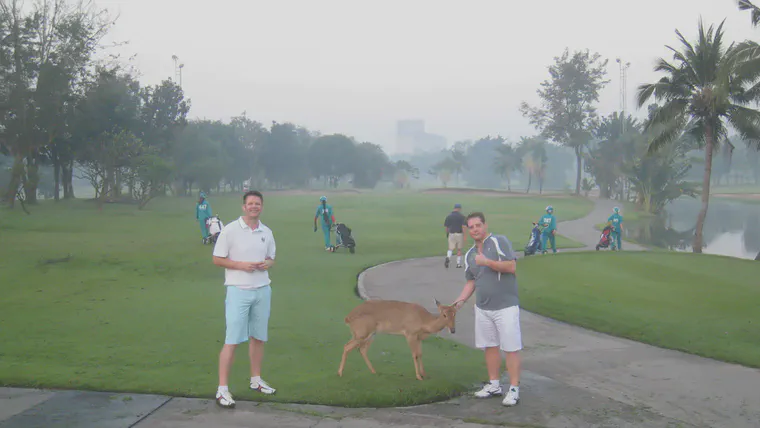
x: 340, y: 67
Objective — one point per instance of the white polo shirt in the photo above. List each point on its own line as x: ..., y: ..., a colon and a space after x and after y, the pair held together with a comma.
x: 240, y: 243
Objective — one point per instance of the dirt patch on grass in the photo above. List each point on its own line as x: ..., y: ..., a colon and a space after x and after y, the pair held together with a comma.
x: 489, y: 192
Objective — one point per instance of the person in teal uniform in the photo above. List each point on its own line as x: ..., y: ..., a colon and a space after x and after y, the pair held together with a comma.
x: 549, y: 224
x: 326, y: 219
x: 203, y: 212
x: 616, y: 221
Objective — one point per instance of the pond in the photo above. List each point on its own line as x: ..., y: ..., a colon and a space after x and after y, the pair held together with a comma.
x: 732, y: 228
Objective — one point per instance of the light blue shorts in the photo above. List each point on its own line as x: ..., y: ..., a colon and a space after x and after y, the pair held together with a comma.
x: 247, y: 314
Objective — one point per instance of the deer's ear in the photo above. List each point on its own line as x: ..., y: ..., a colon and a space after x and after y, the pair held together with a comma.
x: 437, y: 303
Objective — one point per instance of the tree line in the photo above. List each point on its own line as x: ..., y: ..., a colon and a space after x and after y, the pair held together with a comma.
x: 62, y: 107
x: 88, y: 118
x: 703, y: 103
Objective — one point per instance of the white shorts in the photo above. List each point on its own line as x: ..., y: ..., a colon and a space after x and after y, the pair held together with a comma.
x: 498, y: 328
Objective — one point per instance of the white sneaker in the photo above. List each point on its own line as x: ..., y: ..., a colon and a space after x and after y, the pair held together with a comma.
x: 512, y: 397
x: 263, y: 387
x: 224, y: 399
x: 489, y: 391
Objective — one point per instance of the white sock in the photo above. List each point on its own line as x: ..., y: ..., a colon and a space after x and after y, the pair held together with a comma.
x: 495, y: 383
x: 459, y: 260
x: 222, y: 389
x: 516, y: 388
x: 255, y: 379
x: 448, y: 254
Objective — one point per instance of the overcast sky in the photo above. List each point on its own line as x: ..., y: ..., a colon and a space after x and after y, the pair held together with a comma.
x: 355, y: 67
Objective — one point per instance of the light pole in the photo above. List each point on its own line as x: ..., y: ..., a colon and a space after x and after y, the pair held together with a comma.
x: 178, y: 66
x: 623, y: 91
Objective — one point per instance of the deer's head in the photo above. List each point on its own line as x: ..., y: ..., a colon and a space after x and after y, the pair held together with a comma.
x: 449, y: 314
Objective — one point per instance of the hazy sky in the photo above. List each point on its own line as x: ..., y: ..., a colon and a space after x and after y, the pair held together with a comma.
x: 355, y: 67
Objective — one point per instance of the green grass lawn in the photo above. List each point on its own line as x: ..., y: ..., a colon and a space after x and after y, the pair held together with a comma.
x: 139, y: 307
x: 701, y: 304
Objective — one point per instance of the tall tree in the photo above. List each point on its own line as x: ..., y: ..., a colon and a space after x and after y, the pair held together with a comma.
x: 508, y: 160
x: 17, y: 53
x: 163, y: 114
x: 332, y: 156
x: 198, y: 157
x: 480, y: 157
x: 283, y: 156
x: 444, y: 169
x: 535, y: 159
x: 659, y: 178
x: 704, y: 89
x: 459, y: 156
x: 371, y: 164
x: 250, y: 136
x: 106, y: 117
x: 567, y: 114
x: 45, y: 54
x: 614, y: 148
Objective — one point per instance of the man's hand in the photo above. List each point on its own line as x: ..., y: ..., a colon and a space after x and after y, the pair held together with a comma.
x: 248, y: 266
x: 458, y: 304
x: 481, y: 260
x: 253, y: 266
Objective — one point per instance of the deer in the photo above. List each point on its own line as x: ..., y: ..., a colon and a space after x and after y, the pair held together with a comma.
x: 399, y: 318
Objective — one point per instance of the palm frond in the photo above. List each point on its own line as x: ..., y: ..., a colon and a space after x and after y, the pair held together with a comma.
x: 645, y: 92
x: 744, y: 65
x: 746, y: 121
x: 720, y: 133
x: 695, y: 131
x: 665, y: 66
x: 747, y: 5
x: 685, y: 58
x: 666, y: 113
x: 664, y: 89
x: 667, y: 133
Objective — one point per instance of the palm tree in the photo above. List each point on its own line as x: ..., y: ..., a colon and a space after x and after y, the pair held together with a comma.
x: 508, y: 160
x: 533, y: 150
x: 617, y: 135
x: 459, y: 155
x: 704, y: 90
x: 747, y: 5
x: 444, y: 169
x: 658, y: 179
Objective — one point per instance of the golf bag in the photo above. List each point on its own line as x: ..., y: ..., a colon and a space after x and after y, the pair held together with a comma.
x: 606, y: 239
x: 534, y: 242
x: 214, y: 226
x: 343, y: 238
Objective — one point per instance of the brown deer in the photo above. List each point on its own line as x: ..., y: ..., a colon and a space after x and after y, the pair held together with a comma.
x: 393, y: 317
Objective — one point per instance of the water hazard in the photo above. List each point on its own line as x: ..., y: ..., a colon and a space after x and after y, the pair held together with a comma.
x: 732, y: 228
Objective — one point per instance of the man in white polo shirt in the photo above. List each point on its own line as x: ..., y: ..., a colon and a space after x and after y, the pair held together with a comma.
x: 246, y: 249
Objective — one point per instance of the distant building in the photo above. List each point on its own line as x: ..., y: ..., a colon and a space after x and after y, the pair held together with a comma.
x: 412, y: 138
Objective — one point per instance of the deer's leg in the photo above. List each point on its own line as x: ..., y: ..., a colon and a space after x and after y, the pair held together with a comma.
x: 363, y: 349
x: 419, y: 359
x: 350, y: 346
x: 414, y: 346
